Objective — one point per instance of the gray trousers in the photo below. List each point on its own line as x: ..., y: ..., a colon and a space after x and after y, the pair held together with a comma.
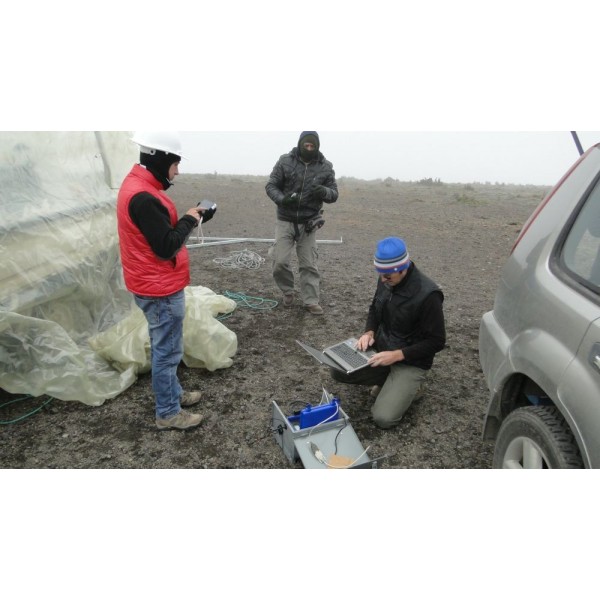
x: 400, y: 385
x: 288, y: 235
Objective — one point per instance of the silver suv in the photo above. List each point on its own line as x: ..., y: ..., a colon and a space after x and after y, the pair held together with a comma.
x: 539, y: 347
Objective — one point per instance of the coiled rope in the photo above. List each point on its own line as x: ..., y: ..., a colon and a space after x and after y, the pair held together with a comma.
x: 255, y: 303
x: 241, y: 259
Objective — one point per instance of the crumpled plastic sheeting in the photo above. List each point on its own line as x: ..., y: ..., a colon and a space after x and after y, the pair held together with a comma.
x: 39, y: 357
x: 207, y: 343
x: 58, y: 231
x: 61, y: 280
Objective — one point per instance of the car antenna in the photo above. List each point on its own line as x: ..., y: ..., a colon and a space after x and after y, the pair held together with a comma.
x: 577, y: 142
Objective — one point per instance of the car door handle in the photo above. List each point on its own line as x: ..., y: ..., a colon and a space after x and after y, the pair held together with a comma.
x: 594, y: 356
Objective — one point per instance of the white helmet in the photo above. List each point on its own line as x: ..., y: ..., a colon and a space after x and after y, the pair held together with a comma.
x: 149, y: 141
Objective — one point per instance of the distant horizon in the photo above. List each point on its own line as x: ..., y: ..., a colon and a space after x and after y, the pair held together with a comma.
x: 517, y: 158
x: 379, y: 179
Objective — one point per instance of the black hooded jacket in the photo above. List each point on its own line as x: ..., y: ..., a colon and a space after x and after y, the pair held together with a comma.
x: 291, y: 175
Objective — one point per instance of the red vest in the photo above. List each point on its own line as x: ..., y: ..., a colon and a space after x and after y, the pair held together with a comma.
x: 145, y: 273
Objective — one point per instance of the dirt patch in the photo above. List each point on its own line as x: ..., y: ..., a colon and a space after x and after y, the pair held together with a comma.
x: 458, y: 234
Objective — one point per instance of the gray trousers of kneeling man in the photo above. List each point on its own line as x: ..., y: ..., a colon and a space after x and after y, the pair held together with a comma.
x: 400, y: 385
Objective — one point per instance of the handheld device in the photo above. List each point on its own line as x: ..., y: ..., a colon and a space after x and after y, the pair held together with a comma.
x: 209, y: 208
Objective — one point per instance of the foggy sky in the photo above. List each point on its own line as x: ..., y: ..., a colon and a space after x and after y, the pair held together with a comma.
x: 538, y: 158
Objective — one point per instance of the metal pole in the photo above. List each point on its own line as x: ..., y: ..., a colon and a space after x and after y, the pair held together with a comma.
x: 577, y: 142
x: 246, y: 239
x: 216, y: 241
x: 220, y: 243
x: 219, y: 239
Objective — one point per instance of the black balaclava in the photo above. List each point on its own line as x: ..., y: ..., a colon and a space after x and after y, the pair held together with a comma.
x: 313, y: 138
x: 159, y: 164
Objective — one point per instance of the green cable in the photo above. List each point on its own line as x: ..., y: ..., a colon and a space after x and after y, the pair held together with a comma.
x: 24, y: 416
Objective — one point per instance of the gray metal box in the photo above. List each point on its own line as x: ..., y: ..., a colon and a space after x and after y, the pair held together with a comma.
x: 333, y: 438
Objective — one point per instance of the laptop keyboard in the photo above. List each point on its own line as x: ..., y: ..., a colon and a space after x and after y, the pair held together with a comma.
x: 352, y: 357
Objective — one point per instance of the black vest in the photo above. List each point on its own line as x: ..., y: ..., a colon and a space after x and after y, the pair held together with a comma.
x: 397, y: 311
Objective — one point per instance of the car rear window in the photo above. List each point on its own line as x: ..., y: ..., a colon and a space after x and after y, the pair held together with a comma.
x: 580, y: 255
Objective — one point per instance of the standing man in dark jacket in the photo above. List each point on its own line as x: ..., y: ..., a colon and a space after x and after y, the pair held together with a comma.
x: 406, y: 326
x: 156, y: 267
x: 299, y: 184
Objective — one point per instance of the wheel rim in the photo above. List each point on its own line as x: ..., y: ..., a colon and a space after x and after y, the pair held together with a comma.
x: 524, y: 453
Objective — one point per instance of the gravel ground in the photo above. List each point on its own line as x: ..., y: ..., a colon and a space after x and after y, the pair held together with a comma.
x: 458, y: 234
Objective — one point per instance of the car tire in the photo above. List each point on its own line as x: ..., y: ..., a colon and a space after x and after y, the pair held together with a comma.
x: 536, y: 437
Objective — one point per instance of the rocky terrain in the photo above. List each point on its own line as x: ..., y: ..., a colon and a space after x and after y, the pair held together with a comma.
x: 459, y: 234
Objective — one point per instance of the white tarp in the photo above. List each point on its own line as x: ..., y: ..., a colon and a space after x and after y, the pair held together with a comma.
x: 61, y: 289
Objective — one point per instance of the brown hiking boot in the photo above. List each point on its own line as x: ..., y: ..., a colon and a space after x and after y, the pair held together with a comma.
x: 314, y: 309
x: 190, y: 398
x: 182, y: 420
x: 288, y: 300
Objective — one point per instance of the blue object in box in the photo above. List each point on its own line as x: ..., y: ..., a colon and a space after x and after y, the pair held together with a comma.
x: 315, y: 415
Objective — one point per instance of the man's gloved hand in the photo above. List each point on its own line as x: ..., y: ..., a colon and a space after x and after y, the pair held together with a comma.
x: 320, y: 192
x: 207, y: 215
x: 207, y: 210
x: 289, y: 199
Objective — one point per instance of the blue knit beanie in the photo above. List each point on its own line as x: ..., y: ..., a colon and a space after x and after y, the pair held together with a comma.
x: 391, y: 256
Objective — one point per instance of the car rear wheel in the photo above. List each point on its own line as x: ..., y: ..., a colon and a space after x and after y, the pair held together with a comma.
x: 536, y: 437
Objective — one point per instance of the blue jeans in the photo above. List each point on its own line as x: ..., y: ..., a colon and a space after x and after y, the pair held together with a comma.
x: 165, y: 325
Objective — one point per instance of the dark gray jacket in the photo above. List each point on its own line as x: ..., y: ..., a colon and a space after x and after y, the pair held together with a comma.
x: 290, y: 175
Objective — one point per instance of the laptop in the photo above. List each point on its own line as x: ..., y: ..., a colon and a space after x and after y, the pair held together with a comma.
x: 342, y: 356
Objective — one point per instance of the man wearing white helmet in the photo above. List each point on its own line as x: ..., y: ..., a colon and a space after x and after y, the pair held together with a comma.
x: 156, y: 267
